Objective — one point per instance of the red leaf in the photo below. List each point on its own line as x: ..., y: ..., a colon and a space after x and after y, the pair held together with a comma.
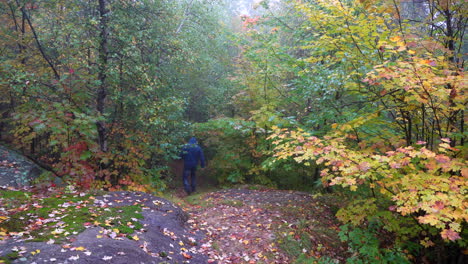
x: 438, y: 205
x: 364, y: 166
x: 442, y: 158
x: 450, y: 235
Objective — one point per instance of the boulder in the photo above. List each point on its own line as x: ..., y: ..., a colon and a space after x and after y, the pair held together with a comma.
x: 16, y: 170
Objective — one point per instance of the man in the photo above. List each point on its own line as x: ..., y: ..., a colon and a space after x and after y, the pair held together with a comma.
x: 192, y: 154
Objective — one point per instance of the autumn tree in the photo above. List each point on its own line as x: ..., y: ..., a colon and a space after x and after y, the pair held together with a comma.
x: 99, y: 90
x: 384, y: 91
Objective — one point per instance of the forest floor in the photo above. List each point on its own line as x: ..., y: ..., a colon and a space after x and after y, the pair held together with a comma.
x: 249, y: 224
x: 259, y: 225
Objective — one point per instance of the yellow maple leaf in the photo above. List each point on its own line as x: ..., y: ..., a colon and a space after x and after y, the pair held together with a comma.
x: 395, y: 38
x: 135, y: 237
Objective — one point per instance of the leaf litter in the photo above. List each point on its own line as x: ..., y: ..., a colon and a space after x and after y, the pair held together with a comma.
x: 266, y: 226
x: 230, y: 226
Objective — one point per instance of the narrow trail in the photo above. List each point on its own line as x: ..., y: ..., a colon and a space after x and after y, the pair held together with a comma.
x: 264, y: 226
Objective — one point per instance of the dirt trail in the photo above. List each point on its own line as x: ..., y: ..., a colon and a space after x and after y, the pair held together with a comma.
x: 264, y: 226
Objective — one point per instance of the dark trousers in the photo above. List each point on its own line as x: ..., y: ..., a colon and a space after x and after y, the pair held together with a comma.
x: 189, y: 172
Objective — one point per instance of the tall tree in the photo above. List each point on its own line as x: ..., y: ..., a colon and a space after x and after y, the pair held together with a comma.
x: 102, y: 74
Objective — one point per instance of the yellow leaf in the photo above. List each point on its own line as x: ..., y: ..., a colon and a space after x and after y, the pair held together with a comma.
x: 464, y: 172
x: 80, y: 248
x: 98, y: 236
x: 395, y: 38
x: 135, y: 237
x: 181, y: 243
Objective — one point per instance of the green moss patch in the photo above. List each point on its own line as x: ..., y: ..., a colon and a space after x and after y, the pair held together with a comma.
x: 8, y: 258
x: 59, y: 216
x: 12, y: 199
x: 125, y: 219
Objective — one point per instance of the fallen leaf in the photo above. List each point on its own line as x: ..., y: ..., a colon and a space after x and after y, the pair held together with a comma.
x: 187, y: 256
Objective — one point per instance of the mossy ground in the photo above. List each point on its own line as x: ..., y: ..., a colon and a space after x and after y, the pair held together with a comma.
x: 58, y: 215
x: 8, y: 258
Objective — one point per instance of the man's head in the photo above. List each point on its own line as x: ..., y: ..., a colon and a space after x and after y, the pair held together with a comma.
x: 193, y: 140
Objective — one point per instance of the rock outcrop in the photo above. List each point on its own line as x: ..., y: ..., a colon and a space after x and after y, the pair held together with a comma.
x: 15, y: 169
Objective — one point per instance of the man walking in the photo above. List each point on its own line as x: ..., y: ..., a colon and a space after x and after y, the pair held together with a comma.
x: 192, y: 154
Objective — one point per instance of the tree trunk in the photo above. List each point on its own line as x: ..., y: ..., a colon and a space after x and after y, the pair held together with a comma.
x: 102, y: 75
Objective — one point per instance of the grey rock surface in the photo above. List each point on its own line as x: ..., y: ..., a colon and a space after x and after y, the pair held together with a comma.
x: 166, y: 238
x: 15, y: 169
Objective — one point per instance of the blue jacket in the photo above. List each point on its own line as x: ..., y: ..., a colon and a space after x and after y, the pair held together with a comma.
x: 192, y: 154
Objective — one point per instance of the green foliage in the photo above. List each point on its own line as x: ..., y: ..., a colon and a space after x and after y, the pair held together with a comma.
x: 303, y: 259
x: 294, y: 246
x: 364, y: 82
x: 365, y: 246
x: 10, y: 257
x: 228, y: 148
x: 238, y: 152
x: 154, y: 75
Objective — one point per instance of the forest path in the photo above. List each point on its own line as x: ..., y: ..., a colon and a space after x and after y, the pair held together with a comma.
x: 264, y: 225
